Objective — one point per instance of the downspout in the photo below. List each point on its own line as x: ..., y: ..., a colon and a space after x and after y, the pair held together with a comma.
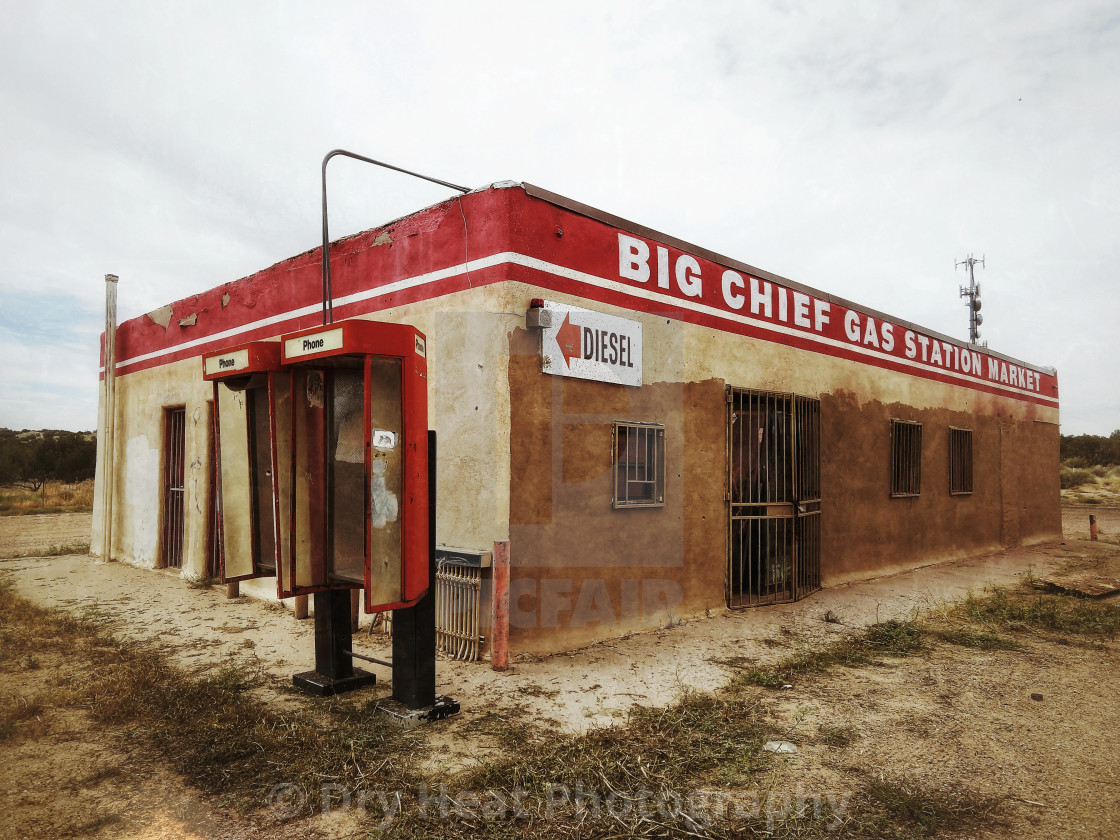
x: 108, y: 423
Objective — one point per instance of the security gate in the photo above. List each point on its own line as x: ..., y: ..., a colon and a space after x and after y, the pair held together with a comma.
x: 174, y: 485
x: 774, y: 497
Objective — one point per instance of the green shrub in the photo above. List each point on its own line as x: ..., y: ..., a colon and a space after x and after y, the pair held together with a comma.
x: 1075, y: 477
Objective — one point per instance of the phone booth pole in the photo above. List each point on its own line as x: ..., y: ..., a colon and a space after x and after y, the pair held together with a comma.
x: 414, y: 639
x: 414, y: 628
x: 334, y: 667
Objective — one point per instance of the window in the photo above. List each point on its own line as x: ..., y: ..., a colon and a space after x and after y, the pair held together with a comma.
x: 960, y: 461
x: 906, y: 458
x: 639, y: 465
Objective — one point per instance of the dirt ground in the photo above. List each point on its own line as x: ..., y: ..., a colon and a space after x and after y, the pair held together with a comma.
x: 953, y: 717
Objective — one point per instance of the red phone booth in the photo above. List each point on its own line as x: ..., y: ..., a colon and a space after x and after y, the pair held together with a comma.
x: 359, y: 462
x: 248, y: 390
x: 327, y: 481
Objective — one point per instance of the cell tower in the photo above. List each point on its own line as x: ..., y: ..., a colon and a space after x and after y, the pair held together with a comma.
x: 972, y: 292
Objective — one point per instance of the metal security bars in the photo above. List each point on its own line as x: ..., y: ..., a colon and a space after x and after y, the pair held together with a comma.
x: 807, y: 487
x: 906, y: 458
x: 174, y: 473
x: 458, y: 610
x: 639, y: 465
x: 774, y: 497
x: 960, y: 461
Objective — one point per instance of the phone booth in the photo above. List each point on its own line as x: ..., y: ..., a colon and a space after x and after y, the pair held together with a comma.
x: 359, y: 462
x: 327, y: 481
x: 250, y: 391
x: 358, y: 499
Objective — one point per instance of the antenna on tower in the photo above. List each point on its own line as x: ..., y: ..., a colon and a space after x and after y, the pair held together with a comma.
x: 972, y: 292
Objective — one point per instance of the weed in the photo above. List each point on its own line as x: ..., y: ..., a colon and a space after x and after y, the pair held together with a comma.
x: 538, y: 691
x: 977, y: 639
x: 900, y: 638
x: 100, y: 775
x: 1020, y: 610
x: 921, y: 812
x: 832, y: 618
x: 96, y: 824
x: 836, y: 736
x: 888, y: 638
x: 14, y: 711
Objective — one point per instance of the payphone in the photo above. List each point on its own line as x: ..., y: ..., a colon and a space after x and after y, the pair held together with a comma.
x: 327, y: 482
x: 249, y: 391
x: 359, y: 461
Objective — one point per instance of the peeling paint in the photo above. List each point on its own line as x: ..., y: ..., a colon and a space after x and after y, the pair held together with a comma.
x: 225, y: 300
x: 189, y: 321
x: 383, y: 239
x: 161, y: 316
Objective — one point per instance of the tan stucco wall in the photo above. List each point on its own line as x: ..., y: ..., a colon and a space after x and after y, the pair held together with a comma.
x: 468, y: 407
x: 570, y: 549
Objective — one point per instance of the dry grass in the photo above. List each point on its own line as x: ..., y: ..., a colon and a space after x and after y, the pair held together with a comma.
x: 225, y: 732
x: 54, y: 497
x: 1024, y: 609
x: 887, y: 638
x: 906, y: 808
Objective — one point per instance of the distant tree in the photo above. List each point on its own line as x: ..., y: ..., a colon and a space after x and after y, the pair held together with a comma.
x: 28, y: 459
x: 1091, y: 449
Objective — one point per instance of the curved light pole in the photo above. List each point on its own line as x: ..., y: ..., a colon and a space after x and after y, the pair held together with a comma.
x: 328, y: 308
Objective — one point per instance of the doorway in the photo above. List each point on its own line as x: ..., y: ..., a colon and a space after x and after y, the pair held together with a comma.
x: 773, y: 496
x: 174, y: 486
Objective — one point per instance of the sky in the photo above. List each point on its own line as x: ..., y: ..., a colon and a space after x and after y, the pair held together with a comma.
x: 861, y: 148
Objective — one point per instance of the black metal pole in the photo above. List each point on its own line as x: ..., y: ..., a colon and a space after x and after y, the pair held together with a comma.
x: 414, y: 628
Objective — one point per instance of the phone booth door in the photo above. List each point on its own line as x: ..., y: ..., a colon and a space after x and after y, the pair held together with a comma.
x: 245, y: 394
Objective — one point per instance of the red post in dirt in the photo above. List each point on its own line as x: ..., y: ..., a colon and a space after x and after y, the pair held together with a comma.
x: 499, y: 645
x: 1092, y: 527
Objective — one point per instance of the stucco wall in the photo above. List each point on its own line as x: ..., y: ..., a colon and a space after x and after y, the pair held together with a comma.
x: 581, y: 570
x: 468, y: 407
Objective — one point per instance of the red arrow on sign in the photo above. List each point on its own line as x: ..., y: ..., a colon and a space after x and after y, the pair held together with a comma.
x: 569, y: 337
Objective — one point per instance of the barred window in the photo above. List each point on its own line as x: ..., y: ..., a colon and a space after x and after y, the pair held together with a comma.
x: 639, y: 465
x: 906, y: 458
x: 960, y: 461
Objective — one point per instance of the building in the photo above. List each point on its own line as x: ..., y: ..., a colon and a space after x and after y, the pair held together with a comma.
x: 656, y: 430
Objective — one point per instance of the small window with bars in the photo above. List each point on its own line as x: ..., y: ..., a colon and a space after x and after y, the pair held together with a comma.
x: 639, y: 465
x: 960, y: 461
x: 906, y: 458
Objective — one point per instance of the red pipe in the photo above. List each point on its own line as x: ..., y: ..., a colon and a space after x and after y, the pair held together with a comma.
x: 1092, y: 527
x: 499, y: 645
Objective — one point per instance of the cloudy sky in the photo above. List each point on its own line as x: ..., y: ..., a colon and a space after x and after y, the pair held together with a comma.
x: 859, y: 147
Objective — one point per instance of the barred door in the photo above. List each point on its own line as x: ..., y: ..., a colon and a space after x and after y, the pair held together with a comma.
x: 174, y: 472
x: 773, y: 497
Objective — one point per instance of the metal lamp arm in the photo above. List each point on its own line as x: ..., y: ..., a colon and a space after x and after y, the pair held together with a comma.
x: 328, y: 308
